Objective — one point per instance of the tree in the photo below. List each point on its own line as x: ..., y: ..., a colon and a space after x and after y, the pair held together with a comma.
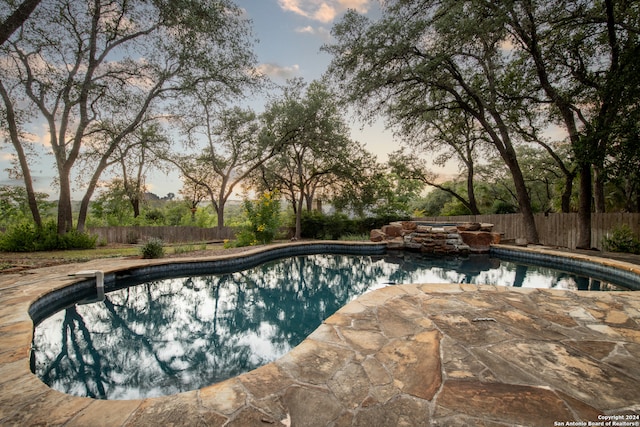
x: 133, y: 156
x: 443, y: 135
x: 16, y: 19
x: 307, y: 123
x: 97, y: 71
x: 233, y: 148
x: 424, y: 57
x: 193, y: 192
x: 583, y: 55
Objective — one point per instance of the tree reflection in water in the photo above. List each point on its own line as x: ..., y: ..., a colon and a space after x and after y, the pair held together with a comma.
x: 174, y: 335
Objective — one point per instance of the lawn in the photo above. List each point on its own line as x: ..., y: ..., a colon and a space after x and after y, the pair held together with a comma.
x: 11, y: 262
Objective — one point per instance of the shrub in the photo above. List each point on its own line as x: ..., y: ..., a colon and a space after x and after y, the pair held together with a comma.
x: 19, y: 238
x: 263, y: 220
x: 316, y: 225
x: 76, y: 240
x: 354, y: 237
x: 27, y: 237
x: 153, y: 248
x: 622, y: 239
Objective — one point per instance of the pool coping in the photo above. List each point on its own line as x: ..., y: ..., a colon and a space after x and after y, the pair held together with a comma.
x: 355, y: 366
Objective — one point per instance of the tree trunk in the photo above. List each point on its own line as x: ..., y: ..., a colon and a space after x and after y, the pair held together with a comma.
x: 566, y: 193
x: 309, y: 200
x: 598, y: 190
x: 65, y: 211
x: 524, y: 203
x: 86, y: 199
x: 220, y: 214
x: 135, y: 204
x: 222, y: 200
x: 473, y: 204
x: 298, y: 235
x: 584, y: 210
x: 16, y: 19
x: 22, y: 158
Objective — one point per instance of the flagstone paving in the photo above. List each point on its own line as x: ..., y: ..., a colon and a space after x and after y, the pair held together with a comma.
x: 443, y: 355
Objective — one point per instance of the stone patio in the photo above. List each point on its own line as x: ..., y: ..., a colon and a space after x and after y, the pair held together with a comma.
x: 443, y: 355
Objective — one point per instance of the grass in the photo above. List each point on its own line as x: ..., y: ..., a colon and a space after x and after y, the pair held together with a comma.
x: 185, y: 249
x: 9, y: 260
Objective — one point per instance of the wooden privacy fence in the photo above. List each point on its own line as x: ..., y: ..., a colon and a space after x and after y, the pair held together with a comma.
x: 169, y: 234
x: 557, y: 229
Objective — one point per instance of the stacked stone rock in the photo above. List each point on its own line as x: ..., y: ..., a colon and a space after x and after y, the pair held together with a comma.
x: 437, y: 239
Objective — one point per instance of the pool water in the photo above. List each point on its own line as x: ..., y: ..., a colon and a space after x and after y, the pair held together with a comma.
x: 180, y: 334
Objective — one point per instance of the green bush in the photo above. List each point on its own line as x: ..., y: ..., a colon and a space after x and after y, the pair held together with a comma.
x: 19, y: 238
x: 27, y: 237
x: 622, y: 239
x: 316, y: 225
x: 153, y: 248
x: 263, y: 221
x: 75, y: 240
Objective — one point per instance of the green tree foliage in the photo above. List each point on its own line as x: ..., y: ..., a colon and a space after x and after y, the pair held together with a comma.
x: 583, y: 57
x: 97, y: 71
x: 111, y: 207
x: 424, y: 57
x: 26, y: 236
x: 316, y: 153
x: 14, y: 204
x: 263, y: 220
x: 515, y: 67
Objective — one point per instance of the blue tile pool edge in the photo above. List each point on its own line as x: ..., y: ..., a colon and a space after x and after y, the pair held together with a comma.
x: 604, y: 268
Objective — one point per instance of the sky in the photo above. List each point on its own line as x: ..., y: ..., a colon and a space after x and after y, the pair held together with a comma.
x: 289, y: 36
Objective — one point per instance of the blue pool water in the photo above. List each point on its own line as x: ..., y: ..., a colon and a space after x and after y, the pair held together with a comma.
x: 172, y: 335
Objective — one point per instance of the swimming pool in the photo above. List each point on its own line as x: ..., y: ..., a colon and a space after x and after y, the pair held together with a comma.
x: 182, y: 333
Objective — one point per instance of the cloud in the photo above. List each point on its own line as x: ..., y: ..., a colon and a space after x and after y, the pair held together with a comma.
x: 324, y: 11
x: 275, y: 70
x: 316, y: 31
x: 308, y: 29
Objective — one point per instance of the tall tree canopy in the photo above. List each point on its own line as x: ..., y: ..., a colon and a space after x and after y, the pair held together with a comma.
x: 95, y: 71
x: 515, y: 67
x: 583, y: 56
x: 422, y: 57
